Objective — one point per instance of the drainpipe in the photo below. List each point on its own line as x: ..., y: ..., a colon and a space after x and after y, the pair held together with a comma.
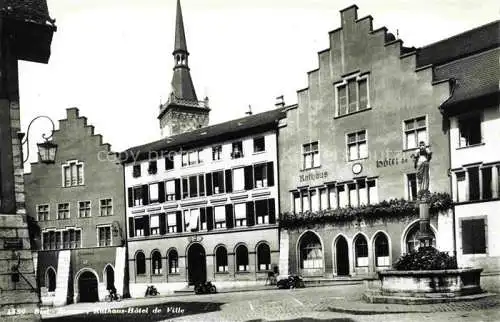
x: 453, y: 85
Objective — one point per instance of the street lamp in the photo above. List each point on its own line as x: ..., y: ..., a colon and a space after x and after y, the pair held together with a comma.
x: 47, y: 149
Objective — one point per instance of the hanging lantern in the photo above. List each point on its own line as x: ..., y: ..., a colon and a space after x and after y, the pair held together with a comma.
x: 47, y: 152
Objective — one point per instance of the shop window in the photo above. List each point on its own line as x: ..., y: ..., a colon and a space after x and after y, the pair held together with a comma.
x: 357, y: 146
x: 173, y: 262
x: 263, y: 257
x: 221, y: 259
x: 140, y: 263
x: 415, y: 131
x: 473, y: 236
x: 361, y: 251
x: 469, y: 128
x: 156, y: 265
x: 241, y: 258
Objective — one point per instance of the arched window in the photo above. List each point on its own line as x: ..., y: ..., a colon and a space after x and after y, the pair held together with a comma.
x: 241, y: 258
x: 412, y: 242
x: 221, y: 259
x: 263, y: 257
x: 140, y: 263
x: 173, y: 262
x: 361, y: 251
x: 311, y: 254
x: 381, y: 250
x: 156, y: 263
x: 50, y: 279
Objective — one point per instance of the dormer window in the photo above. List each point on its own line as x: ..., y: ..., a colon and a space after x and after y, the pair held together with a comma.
x: 152, y: 168
x: 237, y: 151
x: 352, y: 95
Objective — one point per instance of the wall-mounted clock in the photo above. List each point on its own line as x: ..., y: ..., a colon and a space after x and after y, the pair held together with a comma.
x: 357, y: 168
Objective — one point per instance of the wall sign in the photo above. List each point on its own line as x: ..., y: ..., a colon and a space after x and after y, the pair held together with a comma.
x: 390, y: 162
x: 313, y: 176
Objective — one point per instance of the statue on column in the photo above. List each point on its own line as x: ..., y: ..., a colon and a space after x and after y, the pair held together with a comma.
x: 421, y: 161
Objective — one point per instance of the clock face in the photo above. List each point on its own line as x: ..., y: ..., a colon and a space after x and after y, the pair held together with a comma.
x: 357, y: 168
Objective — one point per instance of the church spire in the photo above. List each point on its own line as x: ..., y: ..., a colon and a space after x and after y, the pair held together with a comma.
x: 182, y: 112
x: 180, y: 37
x: 182, y: 84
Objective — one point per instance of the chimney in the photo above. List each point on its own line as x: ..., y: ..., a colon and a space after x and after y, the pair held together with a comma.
x: 280, y: 102
x: 249, y: 112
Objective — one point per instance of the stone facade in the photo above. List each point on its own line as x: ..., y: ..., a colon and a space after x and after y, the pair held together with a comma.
x: 350, y: 139
x: 81, y: 194
x: 181, y: 119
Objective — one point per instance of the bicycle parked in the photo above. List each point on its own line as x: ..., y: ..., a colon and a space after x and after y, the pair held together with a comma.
x: 113, y: 295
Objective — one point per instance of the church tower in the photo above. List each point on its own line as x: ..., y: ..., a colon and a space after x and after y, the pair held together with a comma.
x: 182, y: 112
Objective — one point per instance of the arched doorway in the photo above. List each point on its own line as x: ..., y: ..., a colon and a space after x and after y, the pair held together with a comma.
x: 50, y: 279
x: 87, y: 287
x: 197, y: 264
x: 110, y: 277
x: 311, y: 255
x: 342, y: 256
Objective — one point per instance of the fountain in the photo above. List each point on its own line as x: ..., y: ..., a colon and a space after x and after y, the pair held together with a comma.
x: 427, y: 275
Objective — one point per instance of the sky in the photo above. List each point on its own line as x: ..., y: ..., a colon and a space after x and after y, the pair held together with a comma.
x: 113, y: 58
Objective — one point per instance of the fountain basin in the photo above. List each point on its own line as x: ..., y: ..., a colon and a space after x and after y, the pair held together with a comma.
x: 427, y: 286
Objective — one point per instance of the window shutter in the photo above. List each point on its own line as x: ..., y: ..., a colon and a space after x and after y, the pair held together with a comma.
x: 163, y: 224
x: 145, y: 223
x: 203, y: 216
x: 270, y: 174
x: 271, y: 211
x: 161, y: 192
x: 208, y: 182
x: 210, y: 218
x: 177, y: 189
x: 178, y: 219
x: 145, y: 195
x: 130, y: 198
x: 250, y: 214
x: 229, y: 181
x: 248, y: 177
x: 229, y: 216
x: 131, y: 226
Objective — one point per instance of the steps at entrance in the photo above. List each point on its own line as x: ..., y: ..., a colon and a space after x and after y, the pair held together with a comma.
x: 62, y: 280
x: 120, y: 258
x: 333, y: 281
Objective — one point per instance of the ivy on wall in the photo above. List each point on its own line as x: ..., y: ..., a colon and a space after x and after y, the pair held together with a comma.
x: 393, y: 209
